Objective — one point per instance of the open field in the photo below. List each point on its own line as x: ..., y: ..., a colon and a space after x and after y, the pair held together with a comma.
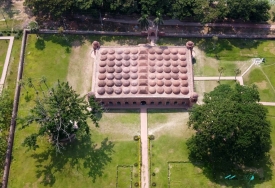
x: 3, y: 51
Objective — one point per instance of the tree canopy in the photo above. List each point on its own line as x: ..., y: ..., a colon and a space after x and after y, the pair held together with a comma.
x: 231, y: 128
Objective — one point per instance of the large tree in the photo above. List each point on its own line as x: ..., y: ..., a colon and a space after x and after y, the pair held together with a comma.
x: 231, y: 128
x: 62, y: 114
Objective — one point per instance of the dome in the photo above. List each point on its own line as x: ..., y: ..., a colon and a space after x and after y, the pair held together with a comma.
x: 111, y: 57
x: 118, y: 57
x: 183, y: 58
x: 95, y: 44
x: 160, y: 83
x: 134, y: 69
x: 126, y: 76
x: 167, y: 83
x: 183, y: 63
x: 101, y: 83
x: 152, y: 76
x: 182, y: 51
x: 109, y: 90
x: 103, y: 57
x: 126, y: 63
x: 167, y: 69
x: 134, y: 82
x: 102, y: 77
x: 110, y: 83
x: 126, y: 51
x: 160, y: 76
x: 176, y: 83
x: 134, y: 51
x: 126, y: 57
x: 152, y: 63
x: 184, y: 83
x: 152, y: 90
x: 174, y: 58
x: 184, y: 90
x: 167, y: 64
x: 175, y: 70
x: 167, y: 76
x: 111, y: 63
x: 159, y: 51
x: 126, y: 69
x: 118, y: 83
x: 174, y: 51
x: 118, y: 63
x: 166, y: 57
x: 159, y: 58
x: 110, y: 69
x: 168, y: 90
x: 101, y: 70
x: 111, y: 51
x: 176, y: 90
x: 118, y: 76
x: 110, y: 76
x: 103, y: 52
x: 152, y: 69
x: 194, y: 95
x: 159, y: 63
x: 175, y: 76
x: 119, y: 51
x: 152, y: 83
x: 134, y: 90
x: 152, y: 57
x: 160, y: 90
x: 134, y: 57
x: 134, y: 76
x: 189, y: 44
x: 125, y: 83
x: 126, y: 90
x: 118, y: 69
x: 102, y: 64
x: 151, y: 51
x: 175, y: 63
x: 166, y: 51
x: 101, y: 91
x: 183, y: 70
x: 183, y: 76
x: 118, y: 90
x: 159, y: 69
x: 134, y: 63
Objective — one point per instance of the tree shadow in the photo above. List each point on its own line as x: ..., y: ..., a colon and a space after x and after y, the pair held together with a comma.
x: 40, y: 44
x: 82, y: 153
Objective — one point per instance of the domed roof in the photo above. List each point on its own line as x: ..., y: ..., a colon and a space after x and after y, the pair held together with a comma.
x: 160, y: 90
x: 167, y: 83
x: 160, y: 83
x: 151, y: 51
x: 118, y: 76
x: 159, y: 58
x: 102, y: 63
x: 152, y: 83
x: 118, y: 69
x: 103, y: 52
x: 159, y: 76
x: 183, y: 63
x: 110, y: 83
x: 110, y: 69
x: 174, y: 51
x: 111, y: 63
x: 134, y: 57
x: 159, y: 63
x: 176, y: 90
x: 152, y: 90
x: 126, y: 51
x: 134, y: 69
x: 126, y: 63
x: 111, y: 51
x: 175, y: 70
x: 159, y: 50
x: 126, y: 69
x: 118, y: 83
x: 119, y: 51
x: 176, y: 83
x: 118, y: 57
x: 175, y: 76
x: 167, y: 69
x: 174, y: 58
x: 125, y: 83
x: 134, y: 51
x: 110, y: 76
x: 101, y: 76
x: 159, y: 69
x: 111, y: 57
x: 183, y: 70
x: 194, y: 95
x: 134, y: 63
x: 118, y: 63
x: 152, y: 76
x: 134, y: 82
x: 190, y: 44
x: 184, y: 83
x: 134, y: 75
x: 126, y: 90
x: 134, y: 90
x: 167, y: 76
x: 183, y: 58
x: 118, y: 90
x: 166, y: 51
x: 109, y: 90
x: 175, y: 63
x: 101, y: 83
x: 184, y: 90
x: 183, y: 76
x: 126, y: 76
x: 166, y: 57
x: 182, y: 51
x: 168, y: 90
x: 126, y: 57
x: 152, y: 69
x: 167, y: 63
x: 101, y: 90
x: 152, y: 57
x: 95, y: 44
x: 101, y: 70
x: 103, y: 57
x: 152, y: 63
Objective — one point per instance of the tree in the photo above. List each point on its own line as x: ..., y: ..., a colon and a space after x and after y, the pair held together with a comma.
x: 62, y: 115
x: 33, y: 26
x: 143, y: 21
x: 231, y: 128
x: 221, y: 70
x: 237, y: 72
x: 158, y: 21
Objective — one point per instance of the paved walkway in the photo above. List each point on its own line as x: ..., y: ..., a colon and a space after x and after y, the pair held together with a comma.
x: 216, y: 78
x: 144, y: 148
x: 268, y: 103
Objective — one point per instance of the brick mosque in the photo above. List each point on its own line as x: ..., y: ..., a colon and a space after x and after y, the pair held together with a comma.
x: 143, y: 75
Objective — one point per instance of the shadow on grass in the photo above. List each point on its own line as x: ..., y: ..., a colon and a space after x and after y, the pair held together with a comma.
x: 81, y: 153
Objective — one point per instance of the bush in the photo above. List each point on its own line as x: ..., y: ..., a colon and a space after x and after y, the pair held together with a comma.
x: 136, y: 137
x: 153, y: 174
x: 136, y: 175
x: 154, y: 184
x: 136, y: 164
x: 1, y: 34
x: 136, y: 184
x: 151, y: 137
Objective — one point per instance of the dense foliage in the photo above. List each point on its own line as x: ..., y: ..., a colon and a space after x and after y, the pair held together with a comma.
x: 200, y: 10
x: 231, y: 128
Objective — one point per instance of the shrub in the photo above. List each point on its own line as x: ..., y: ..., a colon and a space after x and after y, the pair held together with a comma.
x: 136, y: 137
x: 136, y: 174
x: 136, y: 164
x: 136, y: 184
x: 151, y: 137
x: 153, y: 174
x: 1, y: 34
x: 154, y: 184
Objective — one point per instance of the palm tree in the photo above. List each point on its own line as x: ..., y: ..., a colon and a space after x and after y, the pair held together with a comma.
x: 158, y: 21
x: 30, y: 84
x: 143, y: 21
x: 237, y: 72
x: 221, y: 70
x: 43, y: 79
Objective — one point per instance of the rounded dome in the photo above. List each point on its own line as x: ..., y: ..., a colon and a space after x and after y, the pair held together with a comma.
x: 118, y: 69
x: 111, y: 57
x: 174, y: 58
x: 134, y: 82
x: 166, y: 58
x: 152, y: 57
x: 109, y: 90
x: 167, y: 69
x: 175, y: 76
x: 110, y: 76
x: 175, y: 70
x: 101, y: 91
x: 152, y: 83
x: 184, y: 77
x: 134, y: 90
x: 134, y: 76
x: 102, y: 64
x: 167, y: 76
x: 103, y: 52
x: 184, y: 90
x: 174, y: 51
x: 125, y: 83
x: 152, y: 69
x: 167, y: 83
x: 118, y: 57
x: 189, y: 44
x: 118, y: 83
x: 118, y: 63
x: 134, y: 57
x: 152, y: 90
x: 183, y: 70
x: 134, y: 69
x: 168, y: 90
x: 134, y: 63
x: 159, y: 69
x: 126, y: 51
x: 184, y: 83
x: 103, y: 57
x: 118, y: 76
x: 126, y: 69
x: 166, y: 51
x: 160, y: 90
x: 176, y: 83
x: 160, y: 83
x: 183, y: 63
x: 111, y: 63
x: 183, y: 58
x: 126, y: 90
x: 110, y: 83
x: 134, y: 51
x: 152, y: 63
x: 152, y: 76
x: 159, y: 63
x: 101, y: 70
x: 110, y: 69
x: 126, y: 76
x: 101, y: 83
x: 126, y: 63
x: 159, y: 58
x: 175, y: 63
x: 111, y: 51
x: 160, y: 76
x: 182, y: 51
x: 151, y: 51
x: 118, y: 90
x: 194, y: 95
x: 102, y: 77
x: 159, y: 51
x: 119, y: 51
x: 126, y: 57
x: 176, y: 90
x: 167, y: 64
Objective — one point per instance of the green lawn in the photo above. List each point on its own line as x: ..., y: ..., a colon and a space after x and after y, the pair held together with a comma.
x: 3, y: 51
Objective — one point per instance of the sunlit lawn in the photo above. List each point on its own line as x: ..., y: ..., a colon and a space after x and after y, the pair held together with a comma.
x: 3, y: 51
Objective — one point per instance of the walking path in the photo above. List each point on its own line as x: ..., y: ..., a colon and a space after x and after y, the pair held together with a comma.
x: 268, y: 103
x: 216, y: 78
x: 144, y: 148
x: 7, y: 60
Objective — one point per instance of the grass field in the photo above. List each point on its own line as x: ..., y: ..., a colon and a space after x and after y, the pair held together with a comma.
x: 3, y: 51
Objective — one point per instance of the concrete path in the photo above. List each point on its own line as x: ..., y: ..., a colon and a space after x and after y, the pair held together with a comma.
x: 268, y: 103
x: 7, y: 60
x: 144, y: 148
x: 203, y: 78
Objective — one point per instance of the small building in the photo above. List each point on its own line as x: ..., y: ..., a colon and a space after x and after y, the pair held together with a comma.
x: 144, y: 75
